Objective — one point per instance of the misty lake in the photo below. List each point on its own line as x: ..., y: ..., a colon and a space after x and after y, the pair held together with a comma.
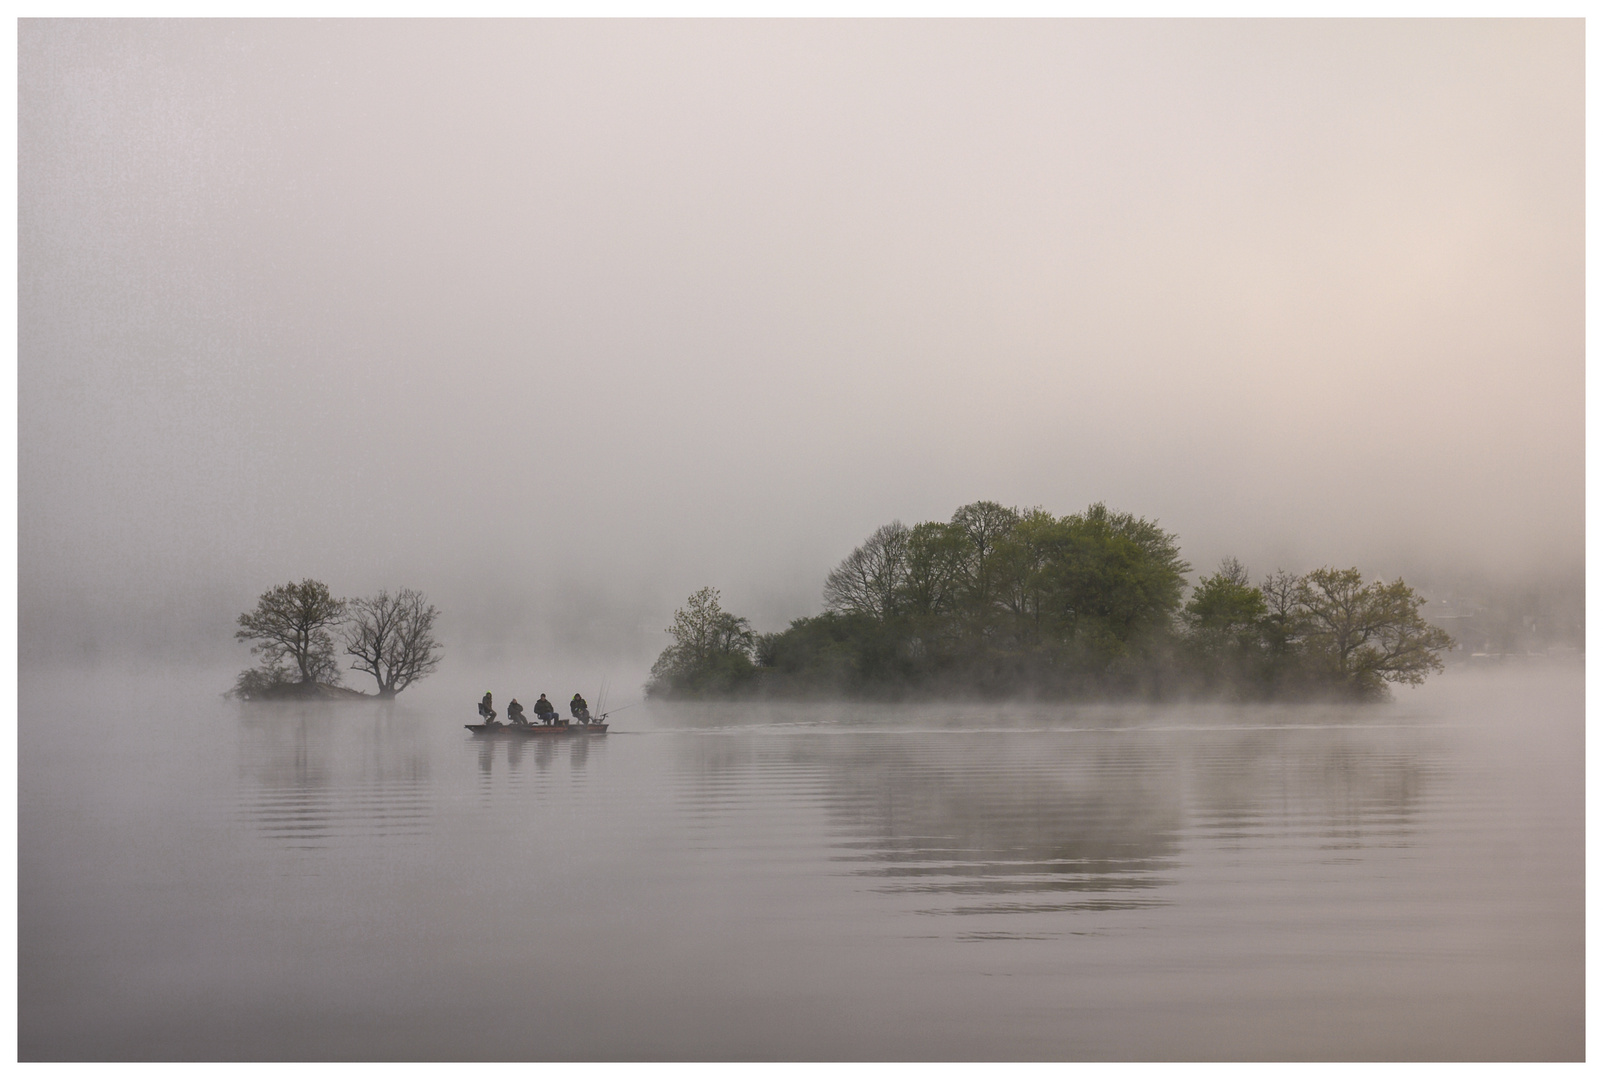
x: 201, y: 879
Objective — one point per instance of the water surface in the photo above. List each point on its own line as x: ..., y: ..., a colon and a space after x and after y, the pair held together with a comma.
x: 200, y: 879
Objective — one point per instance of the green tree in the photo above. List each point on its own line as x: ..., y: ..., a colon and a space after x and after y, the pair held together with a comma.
x: 392, y: 639
x: 1023, y: 559
x: 982, y: 526
x: 1224, y: 622
x: 999, y: 602
x: 711, y: 651
x: 291, y: 626
x: 1117, y: 581
x: 835, y: 653
x: 935, y: 553
x: 1361, y: 636
x: 1226, y: 603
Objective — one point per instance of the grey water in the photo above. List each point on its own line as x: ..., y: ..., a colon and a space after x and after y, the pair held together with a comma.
x: 199, y: 879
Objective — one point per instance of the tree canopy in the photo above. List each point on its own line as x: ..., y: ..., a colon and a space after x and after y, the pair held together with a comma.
x: 293, y: 628
x: 710, y: 654
x: 1364, y: 636
x: 1000, y: 601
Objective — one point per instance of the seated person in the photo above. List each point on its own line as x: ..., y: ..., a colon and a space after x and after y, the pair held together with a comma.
x: 544, y: 711
x: 580, y: 709
x: 515, y: 713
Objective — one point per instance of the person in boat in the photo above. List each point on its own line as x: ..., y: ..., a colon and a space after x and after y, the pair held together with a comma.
x: 544, y: 711
x: 487, y: 712
x: 580, y: 709
x: 515, y: 713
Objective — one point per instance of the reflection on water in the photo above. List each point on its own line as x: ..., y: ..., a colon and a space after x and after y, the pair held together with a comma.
x: 978, y: 827
x: 1061, y: 820
x: 509, y: 754
x: 310, y: 779
x: 208, y: 881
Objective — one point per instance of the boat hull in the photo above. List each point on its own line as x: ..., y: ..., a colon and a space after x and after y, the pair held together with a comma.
x: 535, y: 731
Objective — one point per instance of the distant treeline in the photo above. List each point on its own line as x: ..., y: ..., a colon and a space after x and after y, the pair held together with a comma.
x: 999, y: 602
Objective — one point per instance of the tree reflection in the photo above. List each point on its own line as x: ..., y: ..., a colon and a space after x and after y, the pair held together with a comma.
x: 1010, y: 825
x: 1058, y: 818
x: 314, y: 773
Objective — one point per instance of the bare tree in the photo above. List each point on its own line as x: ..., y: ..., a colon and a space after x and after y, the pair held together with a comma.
x: 392, y: 638
x: 1280, y: 620
x: 290, y: 626
x: 1280, y: 594
x: 869, y: 581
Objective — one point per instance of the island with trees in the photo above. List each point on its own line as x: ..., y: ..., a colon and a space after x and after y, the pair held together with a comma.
x: 999, y: 602
x: 298, y: 629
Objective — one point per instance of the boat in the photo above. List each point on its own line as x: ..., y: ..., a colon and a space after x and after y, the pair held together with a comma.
x: 538, y: 731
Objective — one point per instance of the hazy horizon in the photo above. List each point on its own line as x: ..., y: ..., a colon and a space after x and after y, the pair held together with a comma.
x: 558, y: 321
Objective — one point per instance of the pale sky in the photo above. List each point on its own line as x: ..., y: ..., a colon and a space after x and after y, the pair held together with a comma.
x: 559, y: 321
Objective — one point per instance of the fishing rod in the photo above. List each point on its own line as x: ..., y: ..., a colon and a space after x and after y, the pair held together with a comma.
x: 620, y: 708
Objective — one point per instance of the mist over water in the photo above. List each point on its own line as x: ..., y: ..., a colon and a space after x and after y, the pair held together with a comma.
x: 560, y: 321
x: 205, y: 880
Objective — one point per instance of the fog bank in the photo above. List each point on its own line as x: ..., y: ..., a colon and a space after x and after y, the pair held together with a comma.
x: 559, y: 321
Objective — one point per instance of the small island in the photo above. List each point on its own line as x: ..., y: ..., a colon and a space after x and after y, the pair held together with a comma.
x: 293, y: 629
x: 1003, y: 603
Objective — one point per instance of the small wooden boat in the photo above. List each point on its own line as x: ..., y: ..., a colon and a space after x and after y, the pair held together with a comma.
x: 537, y: 731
